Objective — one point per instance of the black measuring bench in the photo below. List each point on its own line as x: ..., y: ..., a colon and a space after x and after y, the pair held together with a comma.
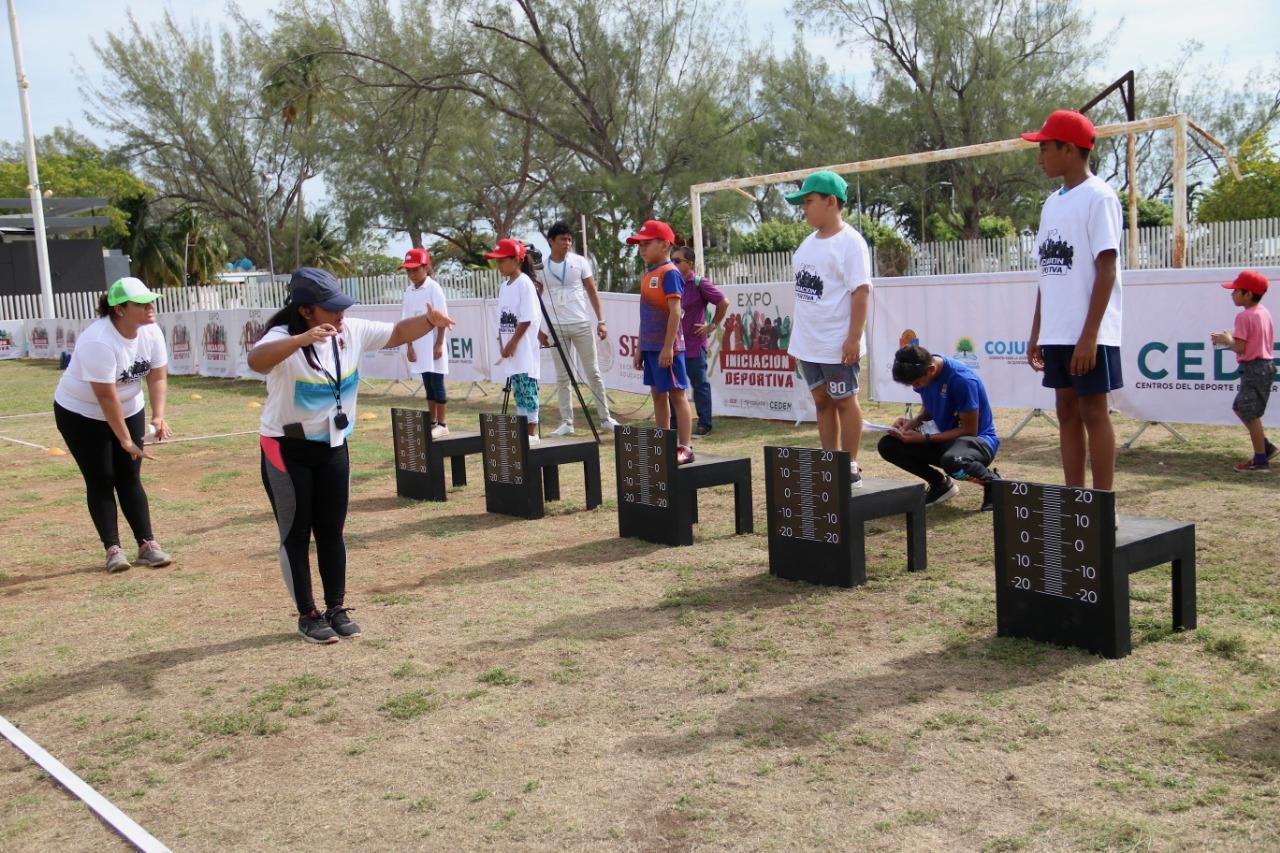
x: 519, y: 478
x: 420, y: 458
x: 1063, y: 561
x: 658, y: 500
x: 817, y: 520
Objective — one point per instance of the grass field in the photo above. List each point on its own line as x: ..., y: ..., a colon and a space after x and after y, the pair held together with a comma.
x: 545, y: 685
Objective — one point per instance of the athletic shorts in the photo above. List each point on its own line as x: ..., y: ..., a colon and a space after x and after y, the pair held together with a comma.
x: 841, y: 380
x: 434, y: 385
x: 1256, y: 377
x: 1104, y: 377
x: 525, y: 389
x: 664, y: 379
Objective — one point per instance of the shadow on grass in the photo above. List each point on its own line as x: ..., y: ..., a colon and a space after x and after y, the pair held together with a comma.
x: 1254, y: 742
x: 446, y: 525
x: 758, y: 592
x: 25, y: 579
x: 133, y: 673
x: 804, y: 716
x: 598, y: 553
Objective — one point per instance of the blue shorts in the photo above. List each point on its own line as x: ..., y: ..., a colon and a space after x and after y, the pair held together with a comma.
x: 1104, y: 377
x: 433, y: 383
x: 664, y: 379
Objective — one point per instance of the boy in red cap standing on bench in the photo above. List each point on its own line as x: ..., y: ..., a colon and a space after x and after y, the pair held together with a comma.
x: 661, y: 349
x: 1075, y: 335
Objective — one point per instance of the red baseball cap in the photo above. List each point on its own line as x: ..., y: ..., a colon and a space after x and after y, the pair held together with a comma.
x: 1250, y: 280
x: 415, y: 258
x: 507, y: 248
x: 653, y: 230
x: 1065, y: 126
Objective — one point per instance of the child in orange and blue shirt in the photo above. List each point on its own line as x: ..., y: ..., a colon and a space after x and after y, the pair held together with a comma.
x: 661, y: 349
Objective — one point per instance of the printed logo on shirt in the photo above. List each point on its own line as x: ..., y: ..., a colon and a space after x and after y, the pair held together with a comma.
x: 808, y: 285
x: 1056, y: 255
x: 507, y: 323
x: 134, y: 372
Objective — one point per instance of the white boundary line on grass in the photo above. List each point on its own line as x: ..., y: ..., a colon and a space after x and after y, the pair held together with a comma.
x: 24, y: 443
x: 199, y: 438
x: 116, y: 819
x: 27, y: 415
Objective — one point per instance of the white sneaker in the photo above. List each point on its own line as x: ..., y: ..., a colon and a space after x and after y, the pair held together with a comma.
x: 535, y: 440
x: 609, y: 424
x: 565, y: 428
x: 439, y: 431
x: 855, y: 474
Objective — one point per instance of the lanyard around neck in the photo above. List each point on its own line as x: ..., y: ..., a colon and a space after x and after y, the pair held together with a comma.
x: 334, y: 382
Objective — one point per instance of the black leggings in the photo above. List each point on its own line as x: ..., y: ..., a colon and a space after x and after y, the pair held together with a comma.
x: 966, y: 453
x: 308, y: 483
x: 108, y: 471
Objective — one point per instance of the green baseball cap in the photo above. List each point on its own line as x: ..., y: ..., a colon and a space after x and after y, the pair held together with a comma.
x: 825, y: 182
x: 129, y: 290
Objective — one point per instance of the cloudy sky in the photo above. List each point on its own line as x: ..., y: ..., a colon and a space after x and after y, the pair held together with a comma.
x: 1149, y: 33
x: 56, y: 35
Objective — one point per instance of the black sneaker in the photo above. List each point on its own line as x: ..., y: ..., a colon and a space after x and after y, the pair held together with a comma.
x: 988, y: 503
x: 341, y: 623
x: 314, y: 628
x: 942, y: 492
x: 1271, y: 451
x: 701, y: 430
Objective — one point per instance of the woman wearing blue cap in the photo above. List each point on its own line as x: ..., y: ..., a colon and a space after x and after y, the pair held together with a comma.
x: 311, y: 355
x: 99, y: 410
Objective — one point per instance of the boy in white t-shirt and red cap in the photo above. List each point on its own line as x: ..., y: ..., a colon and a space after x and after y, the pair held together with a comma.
x: 1253, y: 342
x: 428, y: 355
x: 833, y: 296
x: 1075, y: 335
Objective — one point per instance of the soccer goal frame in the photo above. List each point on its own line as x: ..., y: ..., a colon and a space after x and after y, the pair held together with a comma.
x: 1179, y: 124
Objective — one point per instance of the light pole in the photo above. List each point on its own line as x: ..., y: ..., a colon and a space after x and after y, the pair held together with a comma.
x: 266, y: 225
x: 33, y: 173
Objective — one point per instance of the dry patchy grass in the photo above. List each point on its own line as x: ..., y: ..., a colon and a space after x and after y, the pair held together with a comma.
x: 546, y: 685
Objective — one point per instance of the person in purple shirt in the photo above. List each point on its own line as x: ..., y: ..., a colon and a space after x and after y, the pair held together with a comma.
x: 698, y: 294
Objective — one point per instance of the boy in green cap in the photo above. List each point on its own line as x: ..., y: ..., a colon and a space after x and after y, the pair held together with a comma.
x: 833, y: 296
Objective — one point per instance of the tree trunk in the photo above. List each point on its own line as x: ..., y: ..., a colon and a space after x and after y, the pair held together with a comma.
x: 297, y: 225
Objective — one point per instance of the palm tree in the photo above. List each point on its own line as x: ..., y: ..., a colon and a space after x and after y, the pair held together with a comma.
x: 323, y: 247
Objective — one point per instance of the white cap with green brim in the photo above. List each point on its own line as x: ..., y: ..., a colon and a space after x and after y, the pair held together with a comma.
x: 130, y: 290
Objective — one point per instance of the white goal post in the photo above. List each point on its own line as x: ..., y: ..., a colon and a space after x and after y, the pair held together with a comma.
x: 1179, y: 124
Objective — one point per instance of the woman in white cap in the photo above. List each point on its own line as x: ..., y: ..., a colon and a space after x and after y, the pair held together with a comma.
x: 99, y: 409
x: 311, y: 355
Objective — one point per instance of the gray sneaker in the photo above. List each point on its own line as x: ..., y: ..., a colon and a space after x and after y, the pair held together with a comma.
x: 151, y: 554
x: 116, y: 560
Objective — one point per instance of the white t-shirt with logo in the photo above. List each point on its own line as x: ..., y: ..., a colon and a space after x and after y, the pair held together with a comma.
x: 518, y: 303
x: 1075, y: 227
x: 416, y: 300
x: 566, y: 293
x: 828, y: 271
x: 300, y: 399
x: 103, y: 355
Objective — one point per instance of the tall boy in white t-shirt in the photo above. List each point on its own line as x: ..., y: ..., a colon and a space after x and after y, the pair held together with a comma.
x: 1075, y: 335
x: 833, y: 296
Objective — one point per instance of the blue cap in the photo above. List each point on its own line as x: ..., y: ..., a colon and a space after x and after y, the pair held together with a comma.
x: 311, y: 286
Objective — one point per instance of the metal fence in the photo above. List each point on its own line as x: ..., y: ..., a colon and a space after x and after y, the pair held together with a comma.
x: 1246, y: 243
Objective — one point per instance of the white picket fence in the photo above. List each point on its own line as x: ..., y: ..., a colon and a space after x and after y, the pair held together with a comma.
x: 1254, y: 242
x: 259, y: 292
x: 1246, y: 243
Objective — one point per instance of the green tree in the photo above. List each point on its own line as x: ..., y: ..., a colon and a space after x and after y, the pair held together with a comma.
x: 1152, y: 212
x: 186, y: 105
x: 73, y: 167
x: 950, y: 73
x: 1255, y: 195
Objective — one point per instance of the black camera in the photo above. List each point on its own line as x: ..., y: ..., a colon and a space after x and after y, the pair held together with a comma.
x: 534, y: 256
x: 341, y: 420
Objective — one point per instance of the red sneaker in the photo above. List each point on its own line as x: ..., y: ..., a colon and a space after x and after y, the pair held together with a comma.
x: 684, y: 455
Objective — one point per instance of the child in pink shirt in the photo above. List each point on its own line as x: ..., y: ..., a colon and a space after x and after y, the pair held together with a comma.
x: 1253, y: 341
